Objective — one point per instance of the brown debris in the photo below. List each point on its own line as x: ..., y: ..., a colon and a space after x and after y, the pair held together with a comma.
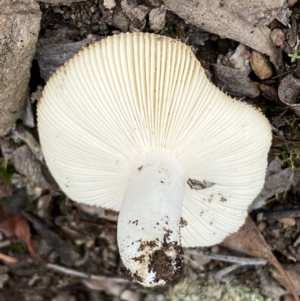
x: 271, y: 94
x: 260, y: 65
x: 162, y: 265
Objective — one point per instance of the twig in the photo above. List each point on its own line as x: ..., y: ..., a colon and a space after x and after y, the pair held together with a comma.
x: 274, y: 215
x: 238, y: 260
x: 284, y: 73
x: 75, y: 273
x: 8, y: 259
x: 297, y: 242
x: 5, y: 243
x: 273, y: 122
x: 220, y: 275
x: 288, y: 140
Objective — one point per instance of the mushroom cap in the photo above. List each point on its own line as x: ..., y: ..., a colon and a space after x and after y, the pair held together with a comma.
x: 134, y: 94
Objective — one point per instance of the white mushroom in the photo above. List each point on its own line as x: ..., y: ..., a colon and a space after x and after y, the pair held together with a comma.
x: 127, y: 122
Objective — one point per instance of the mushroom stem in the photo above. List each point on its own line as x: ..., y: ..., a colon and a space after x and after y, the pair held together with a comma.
x: 149, y: 221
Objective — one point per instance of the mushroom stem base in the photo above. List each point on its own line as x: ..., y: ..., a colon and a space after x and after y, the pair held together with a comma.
x: 149, y: 221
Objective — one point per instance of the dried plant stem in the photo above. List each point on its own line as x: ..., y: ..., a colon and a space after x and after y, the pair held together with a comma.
x: 7, y: 258
x: 75, y: 273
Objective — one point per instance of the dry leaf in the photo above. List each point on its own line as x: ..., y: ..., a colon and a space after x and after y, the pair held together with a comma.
x: 67, y: 255
x: 248, y: 240
x: 277, y: 180
x: 26, y: 163
x: 17, y: 225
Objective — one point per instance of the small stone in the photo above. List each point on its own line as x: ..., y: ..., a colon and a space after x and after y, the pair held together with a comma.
x: 240, y: 58
x: 215, y: 249
x: 291, y: 2
x: 260, y: 65
x: 119, y: 20
x: 137, y: 14
x: 157, y: 18
x: 261, y: 226
x: 197, y: 38
x: 277, y: 36
x: 287, y: 221
x: 235, y: 82
x: 109, y: 4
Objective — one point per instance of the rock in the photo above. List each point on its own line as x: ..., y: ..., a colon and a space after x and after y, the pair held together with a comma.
x: 136, y: 13
x: 235, y: 82
x: 19, y: 29
x: 197, y: 38
x: 157, y: 18
x: 17, y: 202
x: 109, y: 4
x: 291, y: 2
x: 287, y: 221
x: 288, y: 92
x: 212, y: 17
x: 277, y: 36
x: 283, y: 16
x: 260, y: 65
x: 20, y: 134
x: 255, y: 14
x: 240, y: 59
x: 51, y: 56
x: 28, y: 116
x: 119, y: 20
